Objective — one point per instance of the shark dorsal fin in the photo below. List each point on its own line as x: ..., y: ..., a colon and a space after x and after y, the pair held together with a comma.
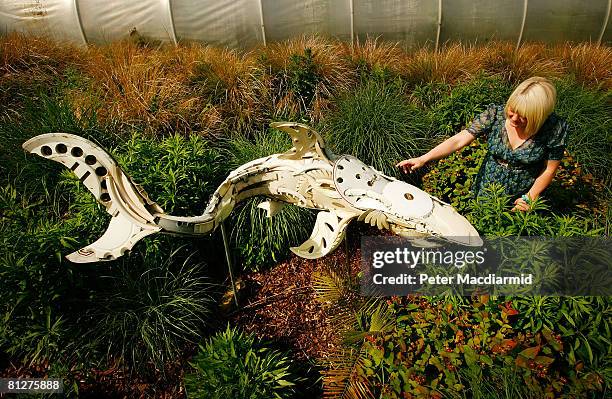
x: 307, y: 143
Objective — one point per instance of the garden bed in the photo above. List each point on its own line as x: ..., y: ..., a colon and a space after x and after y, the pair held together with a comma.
x: 179, y: 119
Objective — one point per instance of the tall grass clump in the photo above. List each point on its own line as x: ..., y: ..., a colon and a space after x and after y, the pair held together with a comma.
x: 226, y: 84
x: 233, y: 364
x: 150, y: 309
x: 29, y: 65
x: 516, y: 65
x: 378, y: 125
x: 588, y: 63
x: 589, y: 116
x: 262, y: 241
x: 45, y: 112
x: 374, y: 55
x: 451, y: 64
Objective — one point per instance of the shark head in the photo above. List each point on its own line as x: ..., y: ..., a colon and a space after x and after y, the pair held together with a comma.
x: 403, y: 208
x: 412, y: 212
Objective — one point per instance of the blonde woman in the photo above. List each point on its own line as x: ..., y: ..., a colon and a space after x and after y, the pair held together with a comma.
x: 525, y: 141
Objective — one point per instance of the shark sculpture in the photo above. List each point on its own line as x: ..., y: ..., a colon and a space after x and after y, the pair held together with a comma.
x: 341, y: 188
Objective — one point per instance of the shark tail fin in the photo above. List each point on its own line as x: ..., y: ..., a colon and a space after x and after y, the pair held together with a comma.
x: 129, y: 205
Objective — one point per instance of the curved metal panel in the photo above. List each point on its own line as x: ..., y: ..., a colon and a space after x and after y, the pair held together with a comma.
x: 564, y: 20
x: 109, y: 20
x: 233, y: 23
x: 56, y: 19
x: 481, y: 20
x: 606, y: 35
x: 412, y: 22
x: 287, y: 18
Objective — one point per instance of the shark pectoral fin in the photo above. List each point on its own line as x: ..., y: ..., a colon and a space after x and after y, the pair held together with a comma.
x: 271, y: 207
x: 327, y: 233
x: 120, y: 236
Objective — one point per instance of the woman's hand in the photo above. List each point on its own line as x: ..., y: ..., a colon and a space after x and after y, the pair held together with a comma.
x: 408, y: 165
x: 443, y: 149
x: 521, y: 205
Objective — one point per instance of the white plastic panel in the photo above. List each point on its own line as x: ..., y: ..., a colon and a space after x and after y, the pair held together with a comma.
x: 56, y: 19
x: 563, y: 20
x: 236, y: 23
x: 232, y: 23
x: 481, y: 20
x: 287, y: 18
x: 413, y: 22
x: 110, y: 20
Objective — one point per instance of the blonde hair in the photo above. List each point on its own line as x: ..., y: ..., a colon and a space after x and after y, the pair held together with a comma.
x: 533, y: 99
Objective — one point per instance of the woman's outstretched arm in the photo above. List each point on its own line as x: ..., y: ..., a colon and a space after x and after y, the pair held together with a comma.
x: 443, y: 149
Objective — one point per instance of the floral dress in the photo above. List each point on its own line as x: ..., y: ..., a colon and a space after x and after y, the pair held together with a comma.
x: 516, y: 170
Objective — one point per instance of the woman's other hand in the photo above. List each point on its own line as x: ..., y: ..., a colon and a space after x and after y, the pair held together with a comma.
x: 408, y: 165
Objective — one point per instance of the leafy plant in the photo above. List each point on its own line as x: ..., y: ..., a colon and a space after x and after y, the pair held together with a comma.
x: 302, y: 76
x: 491, y: 215
x: 179, y: 173
x: 421, y: 356
x: 232, y: 364
x: 38, y: 289
x: 451, y: 178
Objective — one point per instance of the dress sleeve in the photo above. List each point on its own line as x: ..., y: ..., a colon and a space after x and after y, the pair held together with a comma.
x: 558, y: 141
x: 483, y: 123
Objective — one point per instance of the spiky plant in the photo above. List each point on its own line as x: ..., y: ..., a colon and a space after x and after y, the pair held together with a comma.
x: 356, y: 319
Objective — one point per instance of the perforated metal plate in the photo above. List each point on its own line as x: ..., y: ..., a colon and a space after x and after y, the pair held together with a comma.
x: 366, y: 188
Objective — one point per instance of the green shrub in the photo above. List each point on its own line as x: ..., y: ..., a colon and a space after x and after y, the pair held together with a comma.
x: 233, y: 364
x: 302, y: 76
x: 38, y: 288
x: 583, y: 322
x: 451, y: 178
x: 262, y: 241
x: 456, y: 110
x: 378, y: 125
x: 491, y: 215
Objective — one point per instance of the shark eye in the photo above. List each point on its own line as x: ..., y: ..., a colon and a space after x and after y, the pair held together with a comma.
x: 408, y: 196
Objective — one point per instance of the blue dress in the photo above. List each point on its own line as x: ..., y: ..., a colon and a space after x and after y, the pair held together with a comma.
x: 516, y: 170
